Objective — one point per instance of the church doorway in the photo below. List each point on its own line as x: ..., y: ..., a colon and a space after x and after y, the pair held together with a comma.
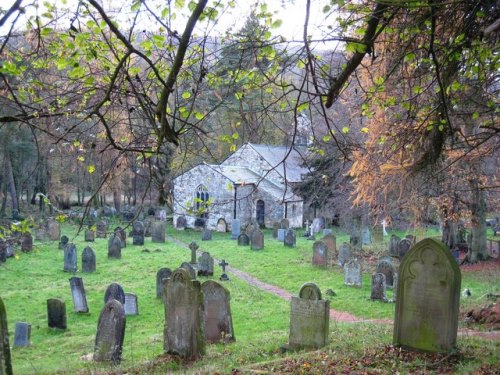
x: 260, y: 213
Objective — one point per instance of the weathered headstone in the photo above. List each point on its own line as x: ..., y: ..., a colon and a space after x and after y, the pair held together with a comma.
x: 70, y: 258
x: 393, y: 246
x: 78, y: 295
x: 276, y: 226
x: 131, y: 306
x: 205, y: 265
x: 217, y: 313
x: 114, y: 246
x: 22, y: 334
x: 63, y: 242
x: 110, y: 333
x: 26, y: 242
x: 53, y: 229
x: 158, y: 231
x: 353, y: 273
x: 320, y: 254
x: 428, y: 298
x: 257, y: 240
x: 101, y: 229
x: 290, y: 238
x: 206, y: 234
x: 5, y: 357
x: 120, y: 232
x: 162, y: 274
x: 378, y: 287
x: 183, y: 333
x: 138, y: 231
x: 309, y: 318
x: 366, y: 236
x: 147, y: 228
x: 403, y: 247
x: 40, y: 233
x: 331, y: 243
x: 355, y: 241
x: 89, y: 235
x: 281, y: 234
x: 378, y: 233
x: 235, y: 229
x: 284, y: 224
x: 250, y: 228
x: 190, y: 269
x: 386, y: 267
x: 243, y: 240
x: 193, y: 246
x: 88, y: 260
x: 180, y: 223
x: 56, y: 313
x: 221, y: 225
x: 114, y: 291
x: 345, y: 254
x: 316, y: 225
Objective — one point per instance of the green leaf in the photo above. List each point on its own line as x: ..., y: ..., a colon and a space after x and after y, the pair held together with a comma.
x: 179, y: 4
x: 91, y: 169
x: 418, y: 90
x: 303, y: 107
x: 475, y: 115
x: 326, y: 8
x: 355, y: 47
x: 186, y: 95
x: 345, y: 130
x: 276, y: 24
x: 198, y: 115
x: 364, y: 130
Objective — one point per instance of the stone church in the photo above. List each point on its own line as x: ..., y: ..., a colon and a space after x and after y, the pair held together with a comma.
x: 253, y: 184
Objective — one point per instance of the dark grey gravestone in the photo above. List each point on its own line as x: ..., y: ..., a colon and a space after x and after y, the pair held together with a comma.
x: 158, y: 231
x: 138, y: 231
x: 403, y: 247
x: 190, y: 269
x: 235, y: 229
x: 78, y: 295
x: 290, y: 238
x: 183, y: 333
x: 284, y: 224
x: 366, y: 236
x: 257, y: 240
x: 70, y: 258
x: 353, y: 273
x: 206, y: 234
x: 276, y: 226
x: 147, y: 228
x: 428, y: 298
x: 56, y: 313
x: 63, y: 242
x: 193, y: 246
x: 120, y: 232
x: 355, y: 241
x: 345, y: 254
x: 331, y: 243
x: 320, y: 254
x: 378, y: 287
x: 386, y: 267
x: 217, y: 313
x: 114, y: 246
x: 162, y: 274
x: 180, y: 223
x: 309, y: 318
x: 281, y: 234
x: 101, y: 229
x: 53, y: 229
x: 22, y: 334
x: 205, y: 265
x: 89, y: 235
x: 5, y: 358
x: 88, y: 260
x: 110, y: 333
x: 3, y: 251
x: 131, y: 306
x: 26, y: 242
x: 243, y: 240
x: 393, y: 246
x: 221, y: 226
x: 114, y: 291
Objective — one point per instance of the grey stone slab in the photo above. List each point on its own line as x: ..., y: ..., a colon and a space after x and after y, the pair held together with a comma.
x: 235, y: 229
x: 115, y: 246
x: 70, y: 258
x: 110, y: 333
x: 190, y: 269
x: 353, y: 273
x: 257, y: 240
x: 217, y: 313
x: 345, y: 253
x: 243, y: 240
x: 158, y: 231
x: 22, y: 335
x: 56, y: 313
x: 290, y: 238
x: 131, y: 305
x: 386, y: 267
x: 206, y: 234
x: 78, y: 295
x: 205, y: 265
x: 320, y: 254
x: 88, y: 260
x: 281, y: 234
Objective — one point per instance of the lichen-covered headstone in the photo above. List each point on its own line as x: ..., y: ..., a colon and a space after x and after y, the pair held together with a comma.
x: 235, y: 229
x: 366, y: 236
x: 162, y: 274
x: 115, y: 246
x: 53, y: 229
x: 88, y: 260
x: 138, y: 231
x: 26, y: 242
x: 114, y: 291
x: 285, y: 224
x: 352, y: 273
x: 243, y: 240
x: 158, y: 231
x: 206, y: 234
x: 217, y: 313
x: 89, y: 235
x: 290, y: 238
x: 320, y: 254
x: 110, y: 333
x: 331, y: 243
x: 205, y: 265
x: 385, y: 266
x: 120, y: 232
x: 5, y: 357
x: 63, y: 242
x: 428, y: 298
x: 257, y: 240
x: 393, y: 246
x: 101, y: 229
x: 180, y: 223
x: 345, y: 253
x: 183, y: 333
x: 56, y: 313
x: 70, y: 258
x: 78, y: 295
x: 378, y: 291
x: 403, y: 247
x: 190, y: 269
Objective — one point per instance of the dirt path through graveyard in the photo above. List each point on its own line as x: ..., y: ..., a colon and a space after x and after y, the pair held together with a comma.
x: 339, y: 316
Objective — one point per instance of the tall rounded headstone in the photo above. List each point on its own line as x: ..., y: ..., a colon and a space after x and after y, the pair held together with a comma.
x: 162, y: 274
x: 114, y: 291
x: 5, y: 357
x: 114, y: 246
x: 110, y: 333
x: 88, y: 260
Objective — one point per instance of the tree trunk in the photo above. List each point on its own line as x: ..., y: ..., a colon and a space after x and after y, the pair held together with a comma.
x: 11, y: 184
x: 478, y: 223
x: 117, y: 200
x: 449, y: 237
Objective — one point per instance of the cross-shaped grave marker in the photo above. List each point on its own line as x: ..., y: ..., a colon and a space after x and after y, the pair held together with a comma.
x: 224, y: 276
x: 193, y: 246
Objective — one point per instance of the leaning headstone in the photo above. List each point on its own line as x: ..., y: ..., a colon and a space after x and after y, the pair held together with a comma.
x: 89, y: 235
x: 428, y: 298
x: 221, y: 226
x: 114, y: 291
x: 345, y: 254
x: 393, y: 246
x: 114, y: 246
x: 180, y: 223
x: 281, y: 234
x: 53, y: 229
x: 26, y: 242
x: 309, y: 318
x: 22, y: 334
x: 290, y: 238
x: 403, y: 247
x: 243, y: 240
x: 331, y: 243
x: 120, y: 232
x: 386, y: 267
x: 205, y: 265
x: 183, y: 333
x: 70, y: 258
x: 101, y: 229
x: 56, y: 313
x: 378, y: 287
x: 131, y: 306
x: 63, y: 242
x: 110, y: 333
x: 366, y: 236
x: 190, y: 269
x: 88, y: 260
x: 257, y: 240
x: 5, y: 358
x: 206, y: 234
x: 162, y: 274
x: 78, y: 295
x: 158, y: 231
x: 217, y: 313
x: 320, y: 254
x: 235, y: 229
x: 352, y: 273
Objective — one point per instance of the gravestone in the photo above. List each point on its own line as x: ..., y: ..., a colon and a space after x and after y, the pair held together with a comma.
x: 40, y: 233
x: 190, y: 269
x: 88, y: 260
x: 284, y: 224
x: 355, y: 241
x: 193, y: 246
x: 138, y: 231
x: 70, y: 258
x: 353, y: 273
x: 131, y: 306
x: 26, y: 242
x: 53, y: 229
x: 221, y: 226
x: 243, y: 240
x: 89, y: 235
x: 223, y: 265
x: 3, y: 251
x: 393, y: 246
x: 331, y: 243
x: 257, y: 240
x: 205, y: 265
x: 403, y: 247
x: 235, y: 229
x: 290, y: 238
x: 412, y: 239
x: 5, y: 358
x: 101, y: 229
x: 378, y: 233
x: 320, y: 254
x: 249, y: 229
x: 345, y: 254
x: 395, y: 287
x: 281, y: 234
x: 162, y: 215
x: 110, y: 333
x: 199, y: 223
x: 428, y: 298
x: 366, y: 236
x: 180, y: 223
x: 147, y: 228
x: 120, y: 232
x: 158, y: 231
x: 114, y: 291
x: 276, y: 226
x: 386, y: 267
x: 56, y: 313
x: 317, y: 226
x: 309, y: 318
x: 162, y: 274
x: 22, y: 334
x: 206, y: 234
x: 183, y: 333
x: 378, y: 287
x: 217, y: 313
x: 114, y: 246
x: 63, y: 242
x: 78, y: 295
